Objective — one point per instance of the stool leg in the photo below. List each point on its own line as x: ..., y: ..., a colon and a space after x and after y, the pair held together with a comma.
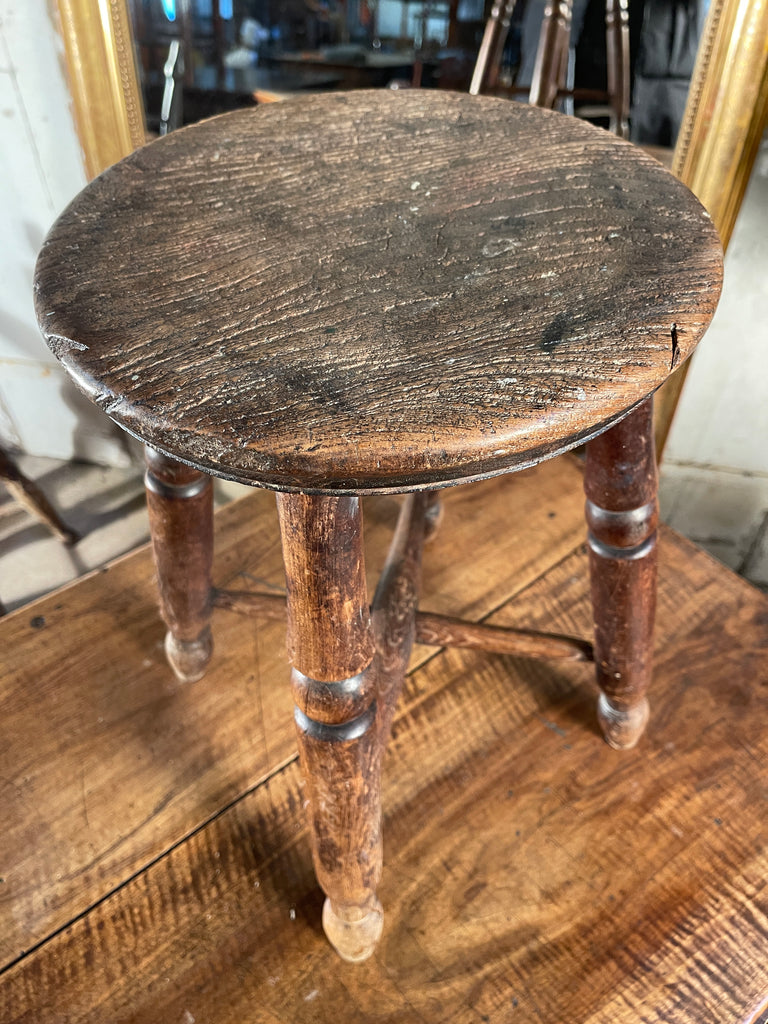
x: 622, y: 516
x: 433, y: 513
x: 331, y: 646
x: 180, y: 503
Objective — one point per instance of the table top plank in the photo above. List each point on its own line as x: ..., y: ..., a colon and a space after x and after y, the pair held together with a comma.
x: 377, y: 290
x: 532, y: 872
x: 106, y: 761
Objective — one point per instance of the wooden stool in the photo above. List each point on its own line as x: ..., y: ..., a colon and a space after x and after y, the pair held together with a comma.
x: 382, y: 292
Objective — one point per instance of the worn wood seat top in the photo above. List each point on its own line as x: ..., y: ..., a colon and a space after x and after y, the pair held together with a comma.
x: 376, y: 290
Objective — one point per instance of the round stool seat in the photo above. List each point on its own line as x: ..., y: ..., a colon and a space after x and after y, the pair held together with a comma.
x: 376, y: 291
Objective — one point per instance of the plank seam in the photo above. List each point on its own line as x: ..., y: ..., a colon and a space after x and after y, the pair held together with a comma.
x: 513, y: 596
x: 263, y: 781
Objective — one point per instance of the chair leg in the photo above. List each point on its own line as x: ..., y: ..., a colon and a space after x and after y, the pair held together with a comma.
x: 486, y: 71
x: 617, y: 54
x: 180, y: 503
x: 331, y: 646
x: 622, y: 515
x: 27, y: 493
x: 551, y: 65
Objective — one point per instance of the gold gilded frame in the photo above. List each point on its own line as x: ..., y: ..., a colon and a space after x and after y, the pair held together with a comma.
x: 106, y: 99
x: 727, y: 107
x: 724, y: 120
x: 722, y: 127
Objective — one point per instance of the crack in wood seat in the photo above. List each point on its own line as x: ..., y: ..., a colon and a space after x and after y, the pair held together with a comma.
x: 375, y: 292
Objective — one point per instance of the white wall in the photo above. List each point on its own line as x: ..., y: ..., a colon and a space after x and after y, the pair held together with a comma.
x: 715, y: 472
x: 41, y: 169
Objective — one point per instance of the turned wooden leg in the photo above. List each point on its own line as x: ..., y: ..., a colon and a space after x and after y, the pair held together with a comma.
x: 180, y: 503
x: 32, y: 498
x: 330, y: 642
x: 622, y: 516
x: 433, y: 513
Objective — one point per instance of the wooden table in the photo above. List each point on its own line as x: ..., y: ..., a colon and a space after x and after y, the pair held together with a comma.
x: 356, y: 70
x: 155, y: 856
x: 375, y: 293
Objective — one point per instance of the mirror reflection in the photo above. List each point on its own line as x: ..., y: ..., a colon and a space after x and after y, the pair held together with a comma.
x: 202, y: 57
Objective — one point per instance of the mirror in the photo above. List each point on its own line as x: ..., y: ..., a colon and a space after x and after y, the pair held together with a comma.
x: 723, y: 122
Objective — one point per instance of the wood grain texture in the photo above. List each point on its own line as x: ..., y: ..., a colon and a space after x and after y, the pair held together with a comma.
x: 343, y: 719
x: 533, y: 873
x: 434, y: 630
x: 106, y: 761
x: 394, y: 607
x: 331, y: 646
x: 377, y: 290
x: 329, y: 625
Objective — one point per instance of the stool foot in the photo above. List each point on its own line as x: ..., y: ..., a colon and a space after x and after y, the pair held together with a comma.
x: 622, y: 727
x: 189, y: 658
x: 353, y: 931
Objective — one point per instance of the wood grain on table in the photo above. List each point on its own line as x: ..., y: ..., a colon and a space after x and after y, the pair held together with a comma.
x: 155, y: 859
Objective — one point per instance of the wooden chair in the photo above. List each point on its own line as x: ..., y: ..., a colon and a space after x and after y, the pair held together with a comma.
x: 376, y: 292
x: 28, y: 494
x: 550, y: 73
